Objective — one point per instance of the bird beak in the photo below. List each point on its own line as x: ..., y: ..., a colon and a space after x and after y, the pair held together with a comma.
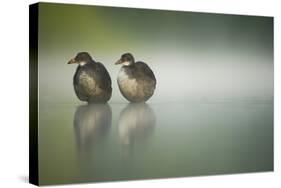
x: 72, y: 61
x: 119, y: 62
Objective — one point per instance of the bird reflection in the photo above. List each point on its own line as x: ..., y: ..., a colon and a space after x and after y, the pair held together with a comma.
x: 136, y: 123
x: 91, y: 123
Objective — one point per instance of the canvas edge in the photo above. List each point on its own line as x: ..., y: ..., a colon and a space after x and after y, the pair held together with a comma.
x: 33, y: 90
x: 148, y: 8
x: 33, y: 94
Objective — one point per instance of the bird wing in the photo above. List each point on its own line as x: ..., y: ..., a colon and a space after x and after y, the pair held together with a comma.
x: 145, y: 78
x: 100, y: 75
x: 144, y: 72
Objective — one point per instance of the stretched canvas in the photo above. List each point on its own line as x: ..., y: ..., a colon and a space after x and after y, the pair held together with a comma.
x: 195, y: 96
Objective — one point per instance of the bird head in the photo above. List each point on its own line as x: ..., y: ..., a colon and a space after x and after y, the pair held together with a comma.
x: 81, y: 58
x: 126, y: 59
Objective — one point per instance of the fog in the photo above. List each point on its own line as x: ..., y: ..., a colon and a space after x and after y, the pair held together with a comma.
x: 194, y: 56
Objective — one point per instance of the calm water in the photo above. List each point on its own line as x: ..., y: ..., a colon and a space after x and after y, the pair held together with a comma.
x: 91, y: 143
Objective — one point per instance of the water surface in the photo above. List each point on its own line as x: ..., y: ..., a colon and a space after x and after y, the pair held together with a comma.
x: 108, y: 142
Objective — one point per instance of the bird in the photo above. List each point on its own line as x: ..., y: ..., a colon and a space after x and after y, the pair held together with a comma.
x: 91, y: 81
x: 136, y: 81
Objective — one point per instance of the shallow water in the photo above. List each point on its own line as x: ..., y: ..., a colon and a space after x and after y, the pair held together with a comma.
x: 91, y: 143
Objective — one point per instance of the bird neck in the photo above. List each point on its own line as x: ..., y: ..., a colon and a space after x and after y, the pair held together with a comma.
x: 82, y: 63
x: 128, y: 63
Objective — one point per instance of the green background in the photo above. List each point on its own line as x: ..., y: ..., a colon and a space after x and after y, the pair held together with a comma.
x: 193, y: 55
x: 212, y: 111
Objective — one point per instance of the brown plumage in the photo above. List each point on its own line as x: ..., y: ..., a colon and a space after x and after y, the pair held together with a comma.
x: 136, y: 81
x: 91, y: 81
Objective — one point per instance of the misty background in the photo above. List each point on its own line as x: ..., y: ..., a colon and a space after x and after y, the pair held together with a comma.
x: 194, y: 56
x: 211, y: 113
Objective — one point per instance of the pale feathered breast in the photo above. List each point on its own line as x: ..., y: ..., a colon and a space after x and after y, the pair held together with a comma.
x: 126, y: 84
x: 137, y: 82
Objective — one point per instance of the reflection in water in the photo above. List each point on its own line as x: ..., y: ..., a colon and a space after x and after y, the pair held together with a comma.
x: 200, y: 139
x: 91, y: 123
x: 136, y: 123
